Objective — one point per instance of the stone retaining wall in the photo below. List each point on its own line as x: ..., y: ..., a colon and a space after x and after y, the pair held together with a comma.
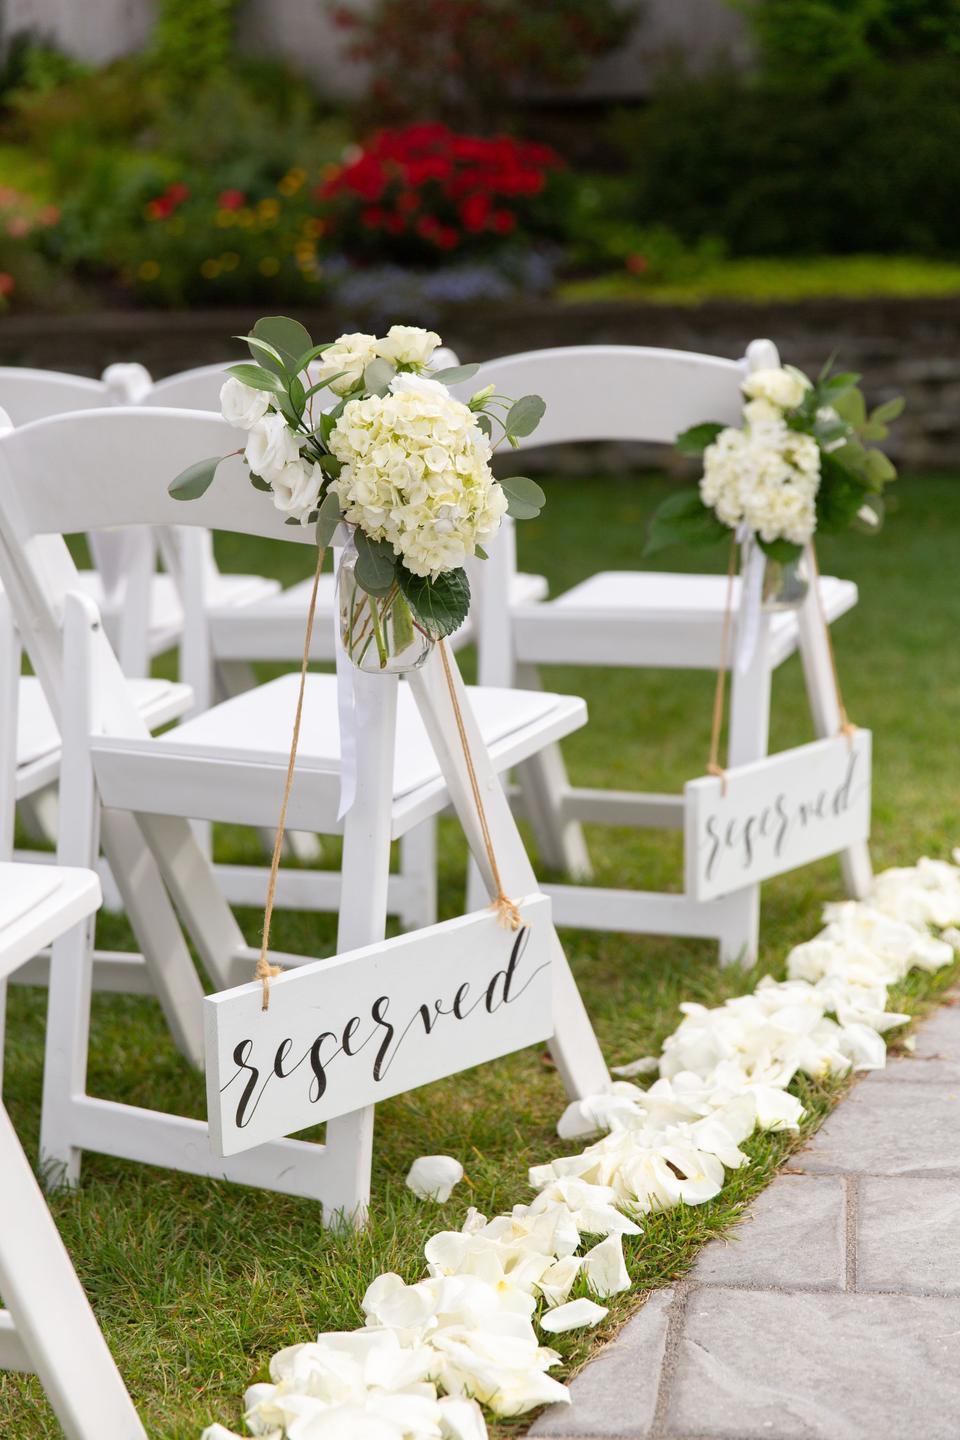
x: 909, y: 347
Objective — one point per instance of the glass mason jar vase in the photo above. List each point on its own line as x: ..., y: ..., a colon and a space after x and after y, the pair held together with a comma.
x: 378, y: 631
x: 785, y: 584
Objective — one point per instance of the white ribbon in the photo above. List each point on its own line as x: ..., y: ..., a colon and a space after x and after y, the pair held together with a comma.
x: 751, y: 593
x: 343, y: 546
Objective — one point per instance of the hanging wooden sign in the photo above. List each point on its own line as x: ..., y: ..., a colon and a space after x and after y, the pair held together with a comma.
x: 776, y: 814
x: 347, y: 1032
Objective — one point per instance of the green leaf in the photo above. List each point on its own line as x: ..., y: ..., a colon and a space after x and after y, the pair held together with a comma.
x: 453, y: 374
x: 524, y: 415
x: 287, y: 337
x: 879, y: 469
x: 886, y: 414
x: 191, y: 483
x: 330, y: 465
x: 260, y: 347
x: 259, y: 378
x: 441, y: 605
x: 479, y: 550
x: 260, y: 484
x: 313, y: 353
x: 376, y: 564
x: 695, y: 440
x: 322, y: 384
x: 297, y: 397
x: 851, y: 406
x: 783, y: 551
x: 525, y: 499
x: 683, y: 519
x: 483, y: 423
x: 377, y: 376
x: 328, y: 518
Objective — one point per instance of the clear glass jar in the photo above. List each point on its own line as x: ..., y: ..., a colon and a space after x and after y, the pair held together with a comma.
x: 785, y: 584
x: 378, y: 631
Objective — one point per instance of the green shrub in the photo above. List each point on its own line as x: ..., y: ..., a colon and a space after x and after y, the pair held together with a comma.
x: 192, y: 39
x: 871, y: 165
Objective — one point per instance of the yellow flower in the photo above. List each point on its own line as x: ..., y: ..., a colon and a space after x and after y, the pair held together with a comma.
x: 291, y: 182
x: 229, y: 260
x: 148, y: 270
x: 225, y: 218
x: 245, y: 217
x: 269, y: 265
x: 269, y: 208
x: 210, y: 269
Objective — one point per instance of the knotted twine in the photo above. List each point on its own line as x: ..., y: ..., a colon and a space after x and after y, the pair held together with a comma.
x: 507, y: 912
x: 846, y: 728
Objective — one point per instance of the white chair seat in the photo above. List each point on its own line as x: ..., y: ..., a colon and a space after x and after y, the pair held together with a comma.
x: 166, y: 610
x: 38, y: 739
x: 645, y: 614
x: 271, y: 627
x: 37, y: 903
x: 249, y: 735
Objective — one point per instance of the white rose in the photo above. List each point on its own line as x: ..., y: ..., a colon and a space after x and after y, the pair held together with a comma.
x: 408, y: 345
x: 350, y: 354
x: 241, y: 405
x: 272, y: 444
x: 784, y: 387
x: 296, y: 489
x: 407, y: 384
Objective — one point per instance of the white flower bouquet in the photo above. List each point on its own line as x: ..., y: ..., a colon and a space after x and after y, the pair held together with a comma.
x: 801, y: 462
x: 362, y: 433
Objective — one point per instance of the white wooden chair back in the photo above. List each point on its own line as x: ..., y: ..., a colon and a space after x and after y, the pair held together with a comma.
x: 196, y: 389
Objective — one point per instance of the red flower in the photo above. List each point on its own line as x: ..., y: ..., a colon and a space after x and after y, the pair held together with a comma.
x: 231, y: 200
x: 178, y: 192
x: 408, y: 202
x: 446, y: 237
x: 474, y: 212
x: 161, y: 208
x: 503, y: 221
x: 372, y: 217
x: 637, y: 263
x: 7, y: 283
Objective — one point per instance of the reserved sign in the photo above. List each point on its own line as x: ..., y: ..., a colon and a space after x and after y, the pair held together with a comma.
x: 343, y: 1033
x: 777, y: 814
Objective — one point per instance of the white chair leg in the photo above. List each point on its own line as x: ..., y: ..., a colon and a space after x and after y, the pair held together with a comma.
x: 363, y: 915
x: 9, y: 705
x: 544, y: 784
x: 749, y: 738
x: 574, y: 1045
x: 55, y: 1331
x: 418, y: 869
x: 825, y: 710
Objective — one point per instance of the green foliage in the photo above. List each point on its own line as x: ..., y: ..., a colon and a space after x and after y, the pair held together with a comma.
x: 192, y: 40
x: 440, y: 605
x: 845, y: 137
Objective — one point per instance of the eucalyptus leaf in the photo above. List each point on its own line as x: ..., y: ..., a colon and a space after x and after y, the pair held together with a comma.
x: 683, y: 519
x: 328, y: 518
x: 377, y: 376
x: 453, y: 374
x: 191, y: 483
x: 287, y: 337
x: 524, y: 415
x: 887, y: 413
x: 695, y: 440
x: 260, y: 484
x: 525, y: 499
x: 484, y: 424
x: 441, y: 605
x: 330, y: 465
x: 259, y: 348
x: 376, y: 564
x: 850, y: 406
x: 313, y: 353
x: 258, y: 378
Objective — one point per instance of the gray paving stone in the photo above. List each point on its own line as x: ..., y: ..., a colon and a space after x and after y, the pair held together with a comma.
x: 616, y: 1395
x: 889, y: 1129
x: 907, y: 1236
x: 809, y: 1366
x: 937, y: 1054
x: 794, y: 1236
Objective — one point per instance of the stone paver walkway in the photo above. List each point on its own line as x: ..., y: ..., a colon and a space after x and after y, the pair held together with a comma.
x: 833, y: 1312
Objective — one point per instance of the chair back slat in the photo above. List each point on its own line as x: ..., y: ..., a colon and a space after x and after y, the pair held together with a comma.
x: 28, y: 395
x: 197, y: 389
x: 616, y: 392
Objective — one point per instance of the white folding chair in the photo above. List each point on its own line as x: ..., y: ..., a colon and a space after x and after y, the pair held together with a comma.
x: 84, y: 472
x: 48, y: 1327
x: 224, y: 635
x: 640, y: 619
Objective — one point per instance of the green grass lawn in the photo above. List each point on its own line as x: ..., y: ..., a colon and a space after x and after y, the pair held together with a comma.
x: 851, y: 277
x: 197, y: 1283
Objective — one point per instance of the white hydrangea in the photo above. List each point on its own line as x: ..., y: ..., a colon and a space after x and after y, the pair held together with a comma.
x: 416, y: 473
x: 408, y: 345
x: 765, y: 476
x: 347, y: 357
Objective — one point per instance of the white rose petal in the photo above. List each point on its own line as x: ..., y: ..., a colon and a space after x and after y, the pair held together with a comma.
x: 408, y: 345
x: 461, y: 1419
x: 271, y: 445
x: 605, y: 1269
x: 646, y: 1065
x: 241, y: 405
x: 573, y: 1316
x: 432, y: 1177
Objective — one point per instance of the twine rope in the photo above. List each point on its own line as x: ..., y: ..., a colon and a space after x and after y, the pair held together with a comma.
x: 265, y: 972
x: 713, y: 764
x: 847, y: 726
x: 507, y: 911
